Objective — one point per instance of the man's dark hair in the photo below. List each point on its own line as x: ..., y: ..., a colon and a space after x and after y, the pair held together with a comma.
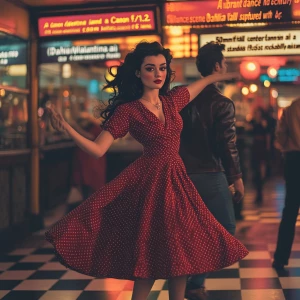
x: 208, y: 56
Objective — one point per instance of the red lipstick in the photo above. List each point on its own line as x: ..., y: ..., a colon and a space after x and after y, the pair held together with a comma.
x: 158, y: 81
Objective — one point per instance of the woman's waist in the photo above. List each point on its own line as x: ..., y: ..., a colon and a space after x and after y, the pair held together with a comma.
x: 160, y: 151
x: 163, y: 155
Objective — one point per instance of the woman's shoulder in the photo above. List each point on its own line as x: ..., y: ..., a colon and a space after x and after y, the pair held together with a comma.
x: 176, y: 91
x: 178, y: 97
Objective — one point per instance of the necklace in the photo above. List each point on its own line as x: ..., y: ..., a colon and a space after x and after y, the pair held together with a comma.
x: 157, y: 105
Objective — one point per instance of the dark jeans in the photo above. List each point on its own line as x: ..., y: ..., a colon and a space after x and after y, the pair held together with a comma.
x: 213, y: 188
x: 286, y: 232
x: 258, y: 178
x: 241, y: 146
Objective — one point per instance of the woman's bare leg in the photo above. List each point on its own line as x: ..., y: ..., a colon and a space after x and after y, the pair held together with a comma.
x: 177, y: 287
x: 142, y: 288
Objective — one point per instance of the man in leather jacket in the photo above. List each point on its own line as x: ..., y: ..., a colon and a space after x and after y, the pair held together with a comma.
x: 288, y: 141
x: 208, y: 149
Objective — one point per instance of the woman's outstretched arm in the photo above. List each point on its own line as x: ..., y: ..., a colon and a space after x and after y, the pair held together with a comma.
x: 196, y: 87
x: 95, y: 148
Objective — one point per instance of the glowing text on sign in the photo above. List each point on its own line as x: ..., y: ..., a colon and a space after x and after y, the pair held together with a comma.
x: 225, y: 11
x: 13, y: 54
x: 256, y: 43
x: 108, y: 22
x: 66, y: 52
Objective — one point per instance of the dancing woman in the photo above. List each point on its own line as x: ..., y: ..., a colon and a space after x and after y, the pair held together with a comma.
x: 149, y: 222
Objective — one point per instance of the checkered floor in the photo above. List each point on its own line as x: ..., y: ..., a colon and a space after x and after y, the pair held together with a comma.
x: 31, y: 271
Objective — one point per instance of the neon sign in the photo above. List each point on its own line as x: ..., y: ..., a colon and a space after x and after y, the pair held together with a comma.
x: 231, y: 12
x: 63, y: 52
x: 97, y: 23
x: 13, y: 54
x: 284, y: 75
x: 256, y: 43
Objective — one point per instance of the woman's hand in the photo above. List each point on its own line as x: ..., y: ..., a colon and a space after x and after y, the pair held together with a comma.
x: 56, y: 119
x: 95, y: 148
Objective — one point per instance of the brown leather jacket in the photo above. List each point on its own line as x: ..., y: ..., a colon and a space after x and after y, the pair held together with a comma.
x: 208, y: 138
x: 288, y: 129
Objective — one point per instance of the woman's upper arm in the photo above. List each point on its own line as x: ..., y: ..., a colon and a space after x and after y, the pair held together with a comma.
x: 104, y: 140
x: 118, y: 124
x: 115, y: 127
x: 180, y: 96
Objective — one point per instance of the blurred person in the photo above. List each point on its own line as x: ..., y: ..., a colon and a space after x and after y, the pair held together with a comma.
x: 258, y: 129
x: 208, y: 150
x: 288, y: 140
x: 271, y: 159
x: 149, y: 222
x: 88, y: 173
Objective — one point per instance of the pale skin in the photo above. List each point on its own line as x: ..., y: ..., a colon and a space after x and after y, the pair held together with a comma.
x: 152, y: 69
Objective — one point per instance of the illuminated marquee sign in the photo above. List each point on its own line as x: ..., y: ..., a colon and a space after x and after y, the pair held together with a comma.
x: 62, y: 52
x: 228, y: 12
x: 13, y: 55
x: 257, y: 43
x: 97, y: 23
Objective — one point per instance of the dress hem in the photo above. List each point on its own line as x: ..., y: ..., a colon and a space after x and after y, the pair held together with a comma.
x: 133, y: 278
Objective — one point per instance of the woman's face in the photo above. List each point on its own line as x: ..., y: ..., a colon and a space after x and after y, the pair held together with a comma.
x: 153, y: 71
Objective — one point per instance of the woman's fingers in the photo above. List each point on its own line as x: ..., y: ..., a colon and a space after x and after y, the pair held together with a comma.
x: 56, y: 119
x: 60, y: 117
x: 54, y: 122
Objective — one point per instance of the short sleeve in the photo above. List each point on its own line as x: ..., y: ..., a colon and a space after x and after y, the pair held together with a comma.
x: 118, y: 124
x: 180, y: 96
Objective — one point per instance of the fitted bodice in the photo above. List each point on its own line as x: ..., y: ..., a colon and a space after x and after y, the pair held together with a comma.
x: 158, y: 139
x: 168, y: 146
x: 161, y: 139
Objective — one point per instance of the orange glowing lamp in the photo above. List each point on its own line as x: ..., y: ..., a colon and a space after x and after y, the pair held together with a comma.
x: 250, y: 70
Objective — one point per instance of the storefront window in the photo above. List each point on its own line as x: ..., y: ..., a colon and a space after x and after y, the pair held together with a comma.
x: 13, y: 93
x: 72, y: 75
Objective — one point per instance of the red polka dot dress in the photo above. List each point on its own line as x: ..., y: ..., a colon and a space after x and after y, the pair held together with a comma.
x: 149, y: 222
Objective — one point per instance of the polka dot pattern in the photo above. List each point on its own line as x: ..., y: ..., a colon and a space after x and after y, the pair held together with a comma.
x: 149, y: 222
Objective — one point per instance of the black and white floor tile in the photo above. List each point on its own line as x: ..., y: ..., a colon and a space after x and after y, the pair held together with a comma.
x: 31, y: 271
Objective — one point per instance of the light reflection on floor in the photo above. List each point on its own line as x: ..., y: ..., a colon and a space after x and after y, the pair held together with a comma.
x: 31, y: 272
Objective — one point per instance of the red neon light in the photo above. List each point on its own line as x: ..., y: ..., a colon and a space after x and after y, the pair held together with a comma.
x: 223, y: 12
x: 96, y: 23
x: 296, y: 10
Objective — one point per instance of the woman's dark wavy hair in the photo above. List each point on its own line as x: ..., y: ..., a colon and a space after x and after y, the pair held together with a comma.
x: 126, y: 85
